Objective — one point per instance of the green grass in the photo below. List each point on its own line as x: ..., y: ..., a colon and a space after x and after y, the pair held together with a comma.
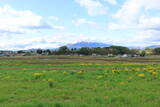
x: 79, y: 82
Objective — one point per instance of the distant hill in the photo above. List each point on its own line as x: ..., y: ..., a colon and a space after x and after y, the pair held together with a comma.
x: 88, y: 44
x: 154, y: 46
x: 135, y: 47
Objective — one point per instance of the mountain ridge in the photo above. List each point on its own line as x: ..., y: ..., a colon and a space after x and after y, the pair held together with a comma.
x: 88, y: 44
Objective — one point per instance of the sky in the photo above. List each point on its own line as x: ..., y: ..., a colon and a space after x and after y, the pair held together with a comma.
x: 28, y: 24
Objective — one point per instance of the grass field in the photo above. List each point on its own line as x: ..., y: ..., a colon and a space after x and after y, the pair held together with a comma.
x: 65, y: 81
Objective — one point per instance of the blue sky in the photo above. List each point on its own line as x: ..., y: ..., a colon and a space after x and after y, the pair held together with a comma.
x: 26, y: 24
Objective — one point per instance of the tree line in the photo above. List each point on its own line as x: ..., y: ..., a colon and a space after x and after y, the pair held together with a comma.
x: 110, y: 51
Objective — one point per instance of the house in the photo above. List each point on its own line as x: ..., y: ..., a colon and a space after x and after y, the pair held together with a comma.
x: 110, y: 55
x: 125, y: 56
x: 94, y: 54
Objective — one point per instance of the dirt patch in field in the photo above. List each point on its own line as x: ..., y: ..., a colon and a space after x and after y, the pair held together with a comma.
x: 72, y: 59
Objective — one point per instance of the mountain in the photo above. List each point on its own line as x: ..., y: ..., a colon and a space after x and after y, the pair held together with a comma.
x: 88, y: 44
x: 136, y: 47
x: 154, y: 46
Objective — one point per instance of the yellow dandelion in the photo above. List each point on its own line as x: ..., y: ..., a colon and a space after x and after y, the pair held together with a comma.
x: 154, y: 73
x: 50, y: 80
x: 141, y: 75
x: 150, y: 71
x: 38, y: 75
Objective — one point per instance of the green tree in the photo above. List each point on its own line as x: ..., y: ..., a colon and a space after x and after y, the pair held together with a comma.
x: 39, y: 51
x: 99, y: 51
x: 135, y: 52
x: 143, y: 53
x: 85, y: 51
x: 117, y: 50
x: 157, y: 51
x: 149, y: 51
x: 64, y: 50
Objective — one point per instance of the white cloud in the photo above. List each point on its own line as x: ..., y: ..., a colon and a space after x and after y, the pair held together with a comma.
x: 135, y: 15
x: 151, y: 4
x: 132, y: 10
x: 145, y: 38
x: 17, y: 21
x: 113, y: 2
x: 117, y: 26
x: 144, y: 23
x: 151, y: 23
x: 132, y: 15
x: 83, y: 21
x: 46, y: 41
x: 129, y: 11
x: 13, y: 21
x: 54, y: 18
x: 51, y: 20
x: 58, y: 27
x: 41, y: 41
x: 93, y: 7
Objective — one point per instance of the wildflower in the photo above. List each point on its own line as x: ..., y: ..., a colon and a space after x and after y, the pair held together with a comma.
x: 113, y: 71
x: 44, y: 71
x: 150, y: 71
x: 154, y: 73
x: 141, y: 75
x: 37, y: 75
x: 50, y: 80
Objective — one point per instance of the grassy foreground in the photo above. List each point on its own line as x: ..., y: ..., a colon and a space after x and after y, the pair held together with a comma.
x: 79, y: 82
